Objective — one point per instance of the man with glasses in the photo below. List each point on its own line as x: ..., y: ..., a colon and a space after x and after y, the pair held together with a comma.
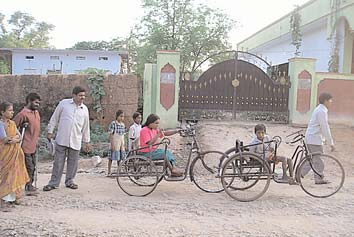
x: 29, y: 120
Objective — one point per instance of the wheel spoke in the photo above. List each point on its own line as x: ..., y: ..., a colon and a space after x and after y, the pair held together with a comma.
x: 205, y: 171
x: 322, y: 176
x: 245, y: 178
x: 137, y: 176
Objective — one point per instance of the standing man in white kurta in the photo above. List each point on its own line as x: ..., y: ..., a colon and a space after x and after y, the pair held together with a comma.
x: 71, y: 117
x: 317, y: 133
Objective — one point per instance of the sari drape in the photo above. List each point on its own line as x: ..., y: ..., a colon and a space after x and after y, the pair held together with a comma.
x: 13, y: 172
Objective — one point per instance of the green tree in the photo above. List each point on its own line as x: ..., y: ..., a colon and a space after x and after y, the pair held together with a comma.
x: 296, y: 35
x: 197, y: 31
x: 92, y: 45
x: 23, y: 31
x: 4, y: 68
x: 128, y: 44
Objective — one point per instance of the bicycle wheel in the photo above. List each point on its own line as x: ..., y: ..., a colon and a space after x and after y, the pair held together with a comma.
x: 230, y: 152
x: 332, y: 178
x: 161, y: 171
x: 205, y: 170
x: 245, y: 178
x: 140, y: 169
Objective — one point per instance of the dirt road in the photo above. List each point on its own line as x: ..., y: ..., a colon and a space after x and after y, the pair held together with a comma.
x: 100, y: 208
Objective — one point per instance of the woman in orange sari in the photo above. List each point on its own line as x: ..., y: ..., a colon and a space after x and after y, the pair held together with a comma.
x: 13, y: 173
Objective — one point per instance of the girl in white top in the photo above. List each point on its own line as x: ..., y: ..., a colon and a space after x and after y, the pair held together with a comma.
x: 134, y: 132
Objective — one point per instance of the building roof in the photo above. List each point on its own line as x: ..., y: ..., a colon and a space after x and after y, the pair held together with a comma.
x: 120, y: 52
x: 311, y: 12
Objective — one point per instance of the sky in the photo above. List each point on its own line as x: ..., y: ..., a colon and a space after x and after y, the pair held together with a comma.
x: 83, y: 20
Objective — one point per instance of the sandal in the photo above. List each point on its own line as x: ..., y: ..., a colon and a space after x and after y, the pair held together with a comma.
x: 48, y: 188
x: 72, y: 186
x: 16, y: 202
x: 4, y: 207
x: 292, y: 182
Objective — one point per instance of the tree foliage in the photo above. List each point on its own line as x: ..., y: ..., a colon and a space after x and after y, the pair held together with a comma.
x: 96, y: 86
x: 4, y: 68
x: 22, y: 30
x: 197, y: 31
x: 93, y: 45
x: 296, y: 35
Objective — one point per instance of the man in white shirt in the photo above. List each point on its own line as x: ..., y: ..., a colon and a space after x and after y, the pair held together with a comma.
x: 71, y: 117
x: 318, y: 130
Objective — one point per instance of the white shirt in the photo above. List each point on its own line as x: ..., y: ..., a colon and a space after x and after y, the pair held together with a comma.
x: 73, y: 124
x: 261, y: 148
x: 318, y: 127
x: 134, y: 134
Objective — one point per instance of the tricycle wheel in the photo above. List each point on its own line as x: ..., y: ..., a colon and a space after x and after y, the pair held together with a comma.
x: 137, y: 176
x: 245, y: 177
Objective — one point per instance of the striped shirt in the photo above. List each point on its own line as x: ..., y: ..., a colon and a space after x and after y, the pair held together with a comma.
x: 116, y: 128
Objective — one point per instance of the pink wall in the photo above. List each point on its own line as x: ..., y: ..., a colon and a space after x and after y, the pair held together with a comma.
x: 343, y: 97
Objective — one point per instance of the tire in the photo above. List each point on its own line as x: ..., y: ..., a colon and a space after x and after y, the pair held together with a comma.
x: 333, y: 172
x: 137, y: 176
x: 230, y: 151
x: 161, y: 171
x: 245, y: 178
x: 205, y: 170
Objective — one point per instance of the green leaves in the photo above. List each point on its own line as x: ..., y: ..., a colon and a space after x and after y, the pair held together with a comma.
x: 195, y: 30
x: 23, y: 31
x: 296, y: 36
x: 4, y: 68
x: 96, y: 86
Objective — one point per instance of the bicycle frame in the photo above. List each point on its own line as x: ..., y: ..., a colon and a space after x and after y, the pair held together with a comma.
x: 303, y: 152
x: 240, y: 148
x: 194, y: 148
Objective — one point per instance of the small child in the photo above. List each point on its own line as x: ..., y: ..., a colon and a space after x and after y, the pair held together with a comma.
x: 134, y: 132
x: 268, y: 148
x: 116, y: 133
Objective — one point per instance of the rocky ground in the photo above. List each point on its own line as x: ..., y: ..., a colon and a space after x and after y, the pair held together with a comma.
x: 100, y: 208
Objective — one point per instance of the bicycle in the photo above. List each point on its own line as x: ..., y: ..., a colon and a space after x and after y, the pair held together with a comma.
x: 139, y: 175
x: 245, y: 176
x: 309, y: 169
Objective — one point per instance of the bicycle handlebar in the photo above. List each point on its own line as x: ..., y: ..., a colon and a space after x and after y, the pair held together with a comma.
x: 297, y: 132
x: 277, y: 140
x: 296, y: 139
x: 165, y: 141
x: 188, y: 132
x: 239, y: 143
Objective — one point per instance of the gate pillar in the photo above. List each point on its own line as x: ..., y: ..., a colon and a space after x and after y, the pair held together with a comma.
x: 161, y: 87
x: 302, y: 94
